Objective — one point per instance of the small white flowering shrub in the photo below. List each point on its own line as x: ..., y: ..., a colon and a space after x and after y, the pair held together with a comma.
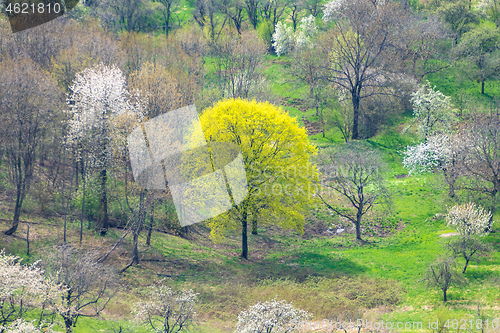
x: 167, y: 310
x: 271, y: 317
x: 436, y: 152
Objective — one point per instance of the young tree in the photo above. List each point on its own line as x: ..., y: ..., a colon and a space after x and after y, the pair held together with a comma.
x: 354, y: 174
x: 432, y: 110
x: 98, y: 97
x: 237, y: 65
x: 233, y: 9
x: 166, y: 310
x: 468, y: 247
x: 252, y: 9
x: 471, y: 221
x: 273, y: 316
x: 169, y: 7
x: 459, y: 16
x: 28, y: 100
x: 442, y: 274
x: 276, y: 155
x: 88, y: 286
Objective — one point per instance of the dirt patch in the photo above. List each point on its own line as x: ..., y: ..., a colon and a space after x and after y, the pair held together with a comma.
x: 296, y: 103
x: 311, y: 127
x: 449, y: 234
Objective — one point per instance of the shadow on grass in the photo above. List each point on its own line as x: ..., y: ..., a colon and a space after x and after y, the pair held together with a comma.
x: 302, y: 266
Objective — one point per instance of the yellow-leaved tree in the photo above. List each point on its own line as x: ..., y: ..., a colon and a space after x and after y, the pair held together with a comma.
x: 281, y: 177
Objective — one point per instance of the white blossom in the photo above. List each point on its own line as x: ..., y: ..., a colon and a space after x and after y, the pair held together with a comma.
x: 22, y: 326
x: 283, y: 39
x: 331, y: 9
x: 432, y: 110
x: 274, y: 316
x: 469, y: 219
x: 167, y: 310
x: 23, y: 284
x: 99, y: 96
x: 426, y: 156
x: 307, y: 30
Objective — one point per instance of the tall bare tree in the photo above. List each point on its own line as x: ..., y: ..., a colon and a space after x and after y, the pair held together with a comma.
x: 359, y: 48
x: 28, y: 98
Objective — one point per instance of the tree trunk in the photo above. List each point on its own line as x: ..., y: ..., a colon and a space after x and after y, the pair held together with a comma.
x: 104, y: 223
x: 465, y: 267
x: 355, y: 115
x: 444, y: 295
x: 359, y: 215
x: 482, y: 87
x: 21, y: 186
x: 254, y: 227
x: 151, y: 221
x: 28, y: 240
x: 244, y: 244
x: 138, y: 227
x: 69, y: 325
x: 83, y: 204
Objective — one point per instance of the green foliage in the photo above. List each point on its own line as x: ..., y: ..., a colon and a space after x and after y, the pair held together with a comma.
x: 265, y: 31
x: 276, y: 153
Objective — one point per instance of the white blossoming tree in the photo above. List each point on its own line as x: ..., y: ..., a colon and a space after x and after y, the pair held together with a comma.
x: 442, y: 153
x: 432, y: 110
x: 285, y: 40
x: 330, y: 9
x: 471, y: 221
x: 23, y: 287
x: 23, y: 326
x: 98, y: 98
x: 307, y: 30
x: 271, y: 317
x: 167, y: 311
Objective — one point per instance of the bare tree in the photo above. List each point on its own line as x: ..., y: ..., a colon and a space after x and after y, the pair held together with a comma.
x: 89, y: 285
x: 481, y: 158
x: 442, y: 274
x: 252, y: 9
x: 237, y: 64
x: 467, y: 248
x: 168, y: 9
x: 417, y: 45
x: 359, y: 48
x: 233, y: 9
x: 354, y: 174
x: 28, y: 97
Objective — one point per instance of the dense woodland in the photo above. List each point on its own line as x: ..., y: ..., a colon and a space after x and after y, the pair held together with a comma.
x: 370, y: 135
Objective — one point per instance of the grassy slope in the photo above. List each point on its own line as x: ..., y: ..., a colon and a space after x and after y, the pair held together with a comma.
x: 328, y: 275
